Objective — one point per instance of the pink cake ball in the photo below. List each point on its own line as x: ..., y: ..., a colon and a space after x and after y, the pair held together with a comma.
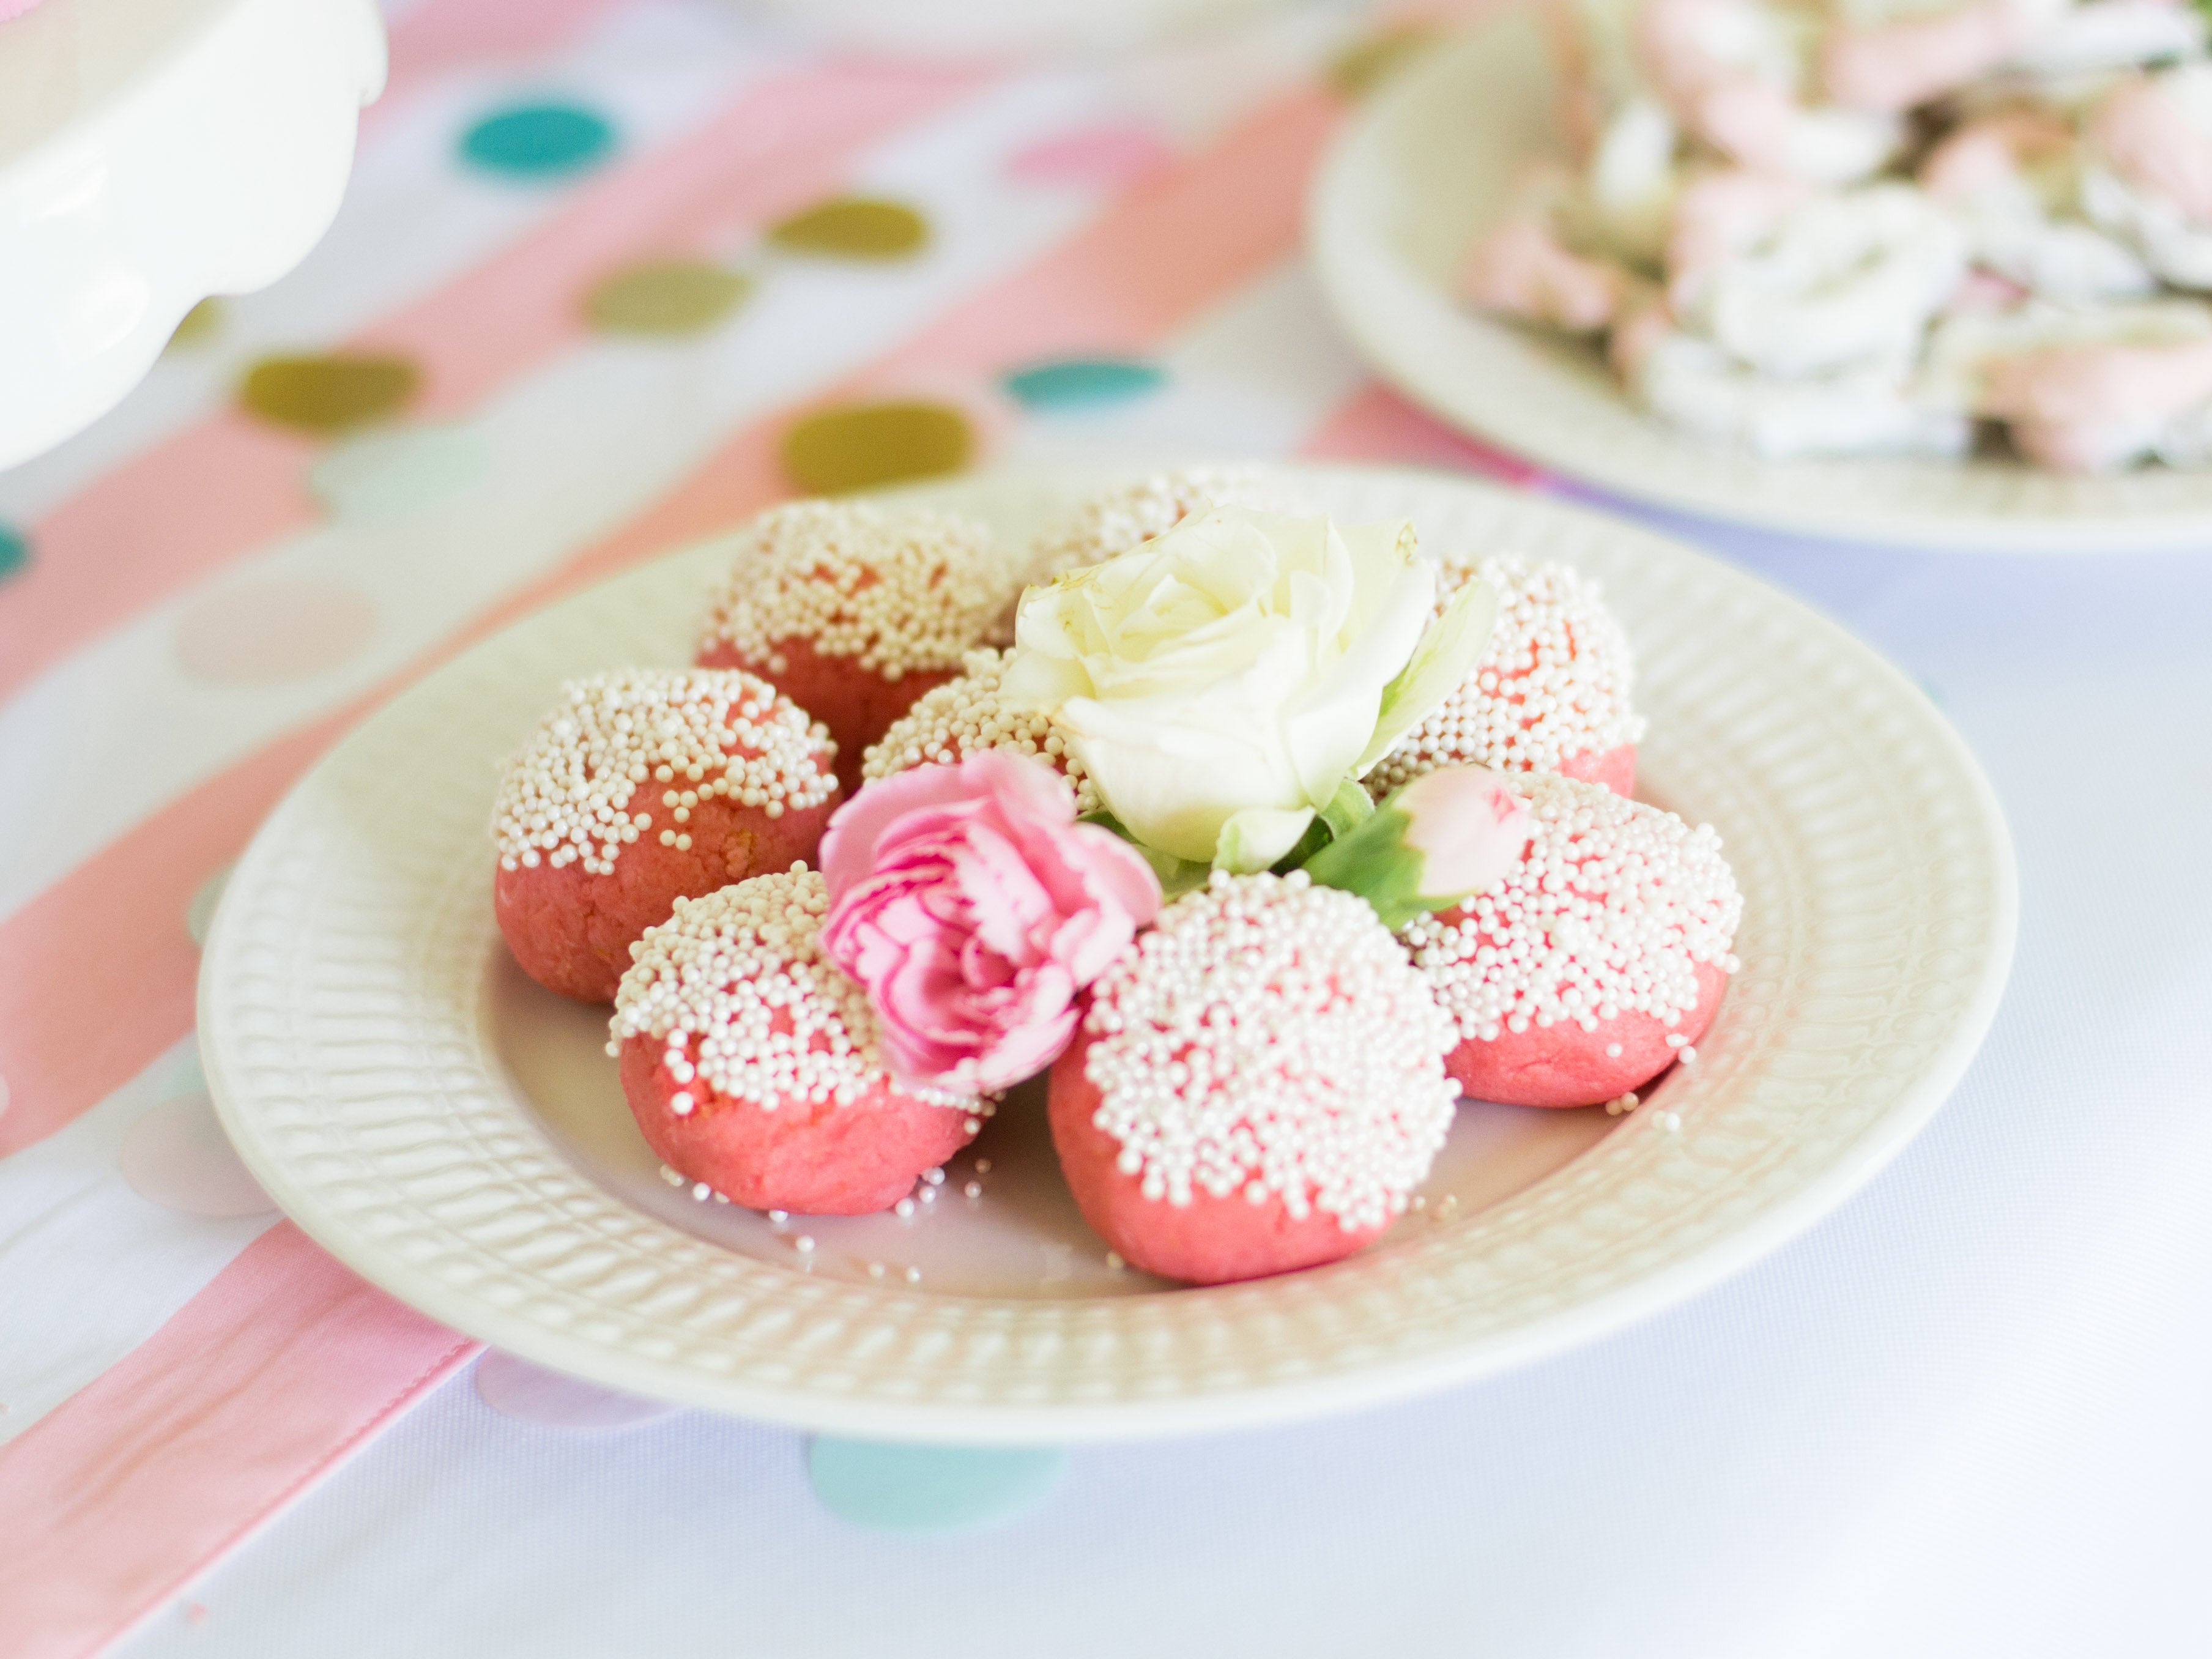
x: 1550, y: 695
x: 852, y: 612
x: 752, y: 1063
x: 1614, y: 769
x: 1599, y: 960
x: 964, y: 717
x: 1258, y: 1086
x: 645, y: 786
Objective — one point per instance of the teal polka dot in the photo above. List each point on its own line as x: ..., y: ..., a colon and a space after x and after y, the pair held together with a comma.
x: 1084, y: 382
x: 928, y: 1488
x: 15, y: 551
x: 538, y: 140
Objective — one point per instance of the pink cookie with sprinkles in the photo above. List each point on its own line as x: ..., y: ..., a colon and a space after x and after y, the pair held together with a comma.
x: 1552, y: 693
x: 964, y: 717
x: 1113, y: 523
x: 1596, y: 963
x: 750, y: 1062
x: 853, y: 612
x: 642, y: 787
x: 1259, y: 1086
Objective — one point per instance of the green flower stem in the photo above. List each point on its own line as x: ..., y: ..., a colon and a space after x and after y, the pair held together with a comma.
x: 1348, y: 808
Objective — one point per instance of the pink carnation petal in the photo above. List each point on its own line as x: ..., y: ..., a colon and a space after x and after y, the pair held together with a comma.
x: 973, y: 908
x: 1122, y: 873
x: 1088, y: 942
x: 1028, y: 787
x: 849, y: 845
x: 1025, y: 1051
x: 982, y: 969
x: 1011, y: 908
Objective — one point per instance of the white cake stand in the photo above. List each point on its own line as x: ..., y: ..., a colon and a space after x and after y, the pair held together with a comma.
x: 152, y: 153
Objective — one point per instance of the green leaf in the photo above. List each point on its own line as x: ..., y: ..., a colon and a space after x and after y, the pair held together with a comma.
x: 1447, y: 654
x: 1373, y: 861
x: 1177, y: 876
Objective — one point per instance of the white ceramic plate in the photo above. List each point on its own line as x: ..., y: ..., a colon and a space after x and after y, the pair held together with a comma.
x: 1430, y: 161
x: 458, y: 1136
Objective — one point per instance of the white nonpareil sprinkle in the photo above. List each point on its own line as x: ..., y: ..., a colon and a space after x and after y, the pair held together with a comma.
x: 626, y: 752
x: 1269, y: 1037
x: 1553, y: 683
x: 963, y: 717
x: 1610, y: 912
x: 899, y: 592
x: 714, y: 983
x: 1115, y: 522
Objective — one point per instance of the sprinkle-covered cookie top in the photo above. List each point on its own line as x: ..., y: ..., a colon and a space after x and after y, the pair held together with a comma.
x: 1269, y: 1037
x: 1612, y: 911
x: 632, y: 752
x: 964, y: 717
x: 897, y: 592
x: 1122, y: 519
x: 734, y: 989
x: 1554, y: 683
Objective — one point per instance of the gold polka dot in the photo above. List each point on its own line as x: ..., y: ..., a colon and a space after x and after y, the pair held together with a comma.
x: 868, y: 444
x: 679, y: 297
x: 328, y: 394
x: 1365, y: 64
x: 853, y: 227
x: 198, y: 326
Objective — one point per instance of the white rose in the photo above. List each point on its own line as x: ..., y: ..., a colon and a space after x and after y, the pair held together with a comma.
x: 1220, y: 682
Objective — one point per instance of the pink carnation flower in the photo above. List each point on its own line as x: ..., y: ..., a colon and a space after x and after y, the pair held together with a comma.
x: 972, y: 907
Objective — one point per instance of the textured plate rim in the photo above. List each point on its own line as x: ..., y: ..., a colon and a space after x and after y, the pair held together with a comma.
x: 1268, y: 1403
x: 1346, y: 251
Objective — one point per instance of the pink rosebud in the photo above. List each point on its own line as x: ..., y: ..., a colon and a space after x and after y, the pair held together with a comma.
x: 972, y: 907
x: 1449, y: 834
x: 1468, y: 825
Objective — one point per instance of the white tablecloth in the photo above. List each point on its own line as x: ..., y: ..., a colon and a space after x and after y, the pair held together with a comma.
x: 1962, y: 1417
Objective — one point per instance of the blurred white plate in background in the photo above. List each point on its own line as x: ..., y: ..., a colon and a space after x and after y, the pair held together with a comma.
x: 1431, y: 160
